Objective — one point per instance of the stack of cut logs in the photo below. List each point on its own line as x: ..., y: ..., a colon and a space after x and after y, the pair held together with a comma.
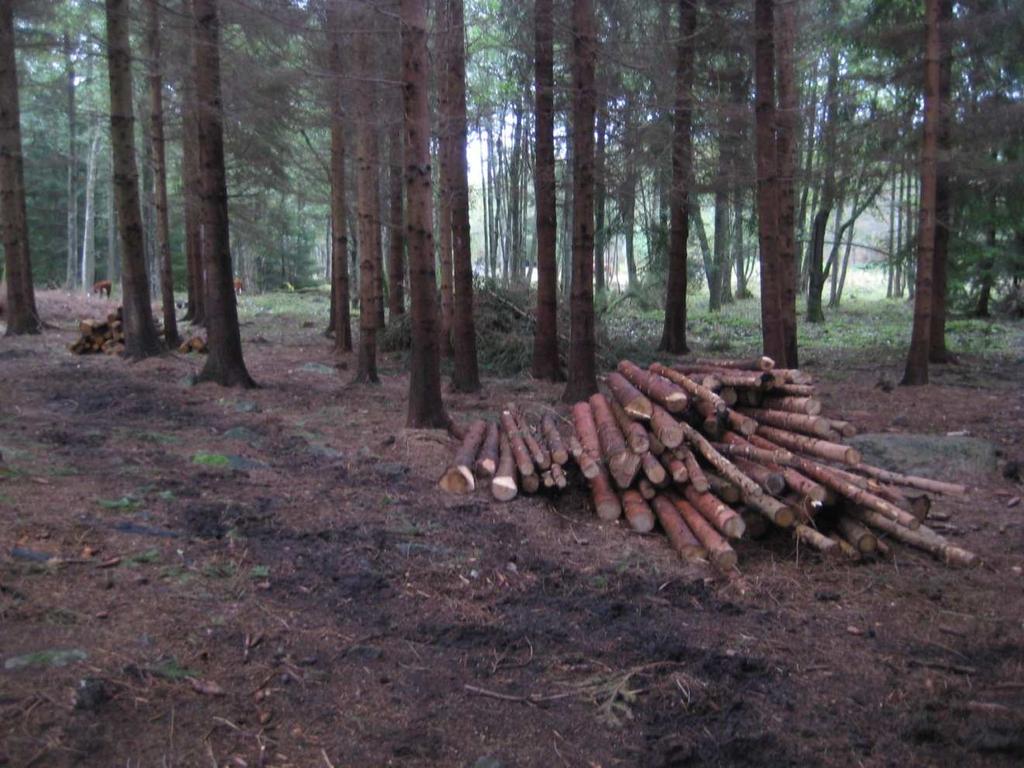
x: 513, y: 454
x: 97, y: 336
x: 195, y: 344
x: 715, y: 451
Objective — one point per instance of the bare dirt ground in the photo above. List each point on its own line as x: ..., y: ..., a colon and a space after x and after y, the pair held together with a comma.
x: 317, y: 601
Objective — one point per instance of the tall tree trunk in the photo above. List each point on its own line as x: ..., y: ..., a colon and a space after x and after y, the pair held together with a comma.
x: 599, y: 198
x: 444, y: 165
x: 738, y: 256
x: 981, y: 308
x: 21, y: 314
x: 426, y: 408
x: 72, y: 202
x: 938, y: 353
x: 916, y: 372
x: 890, y: 266
x: 898, y: 278
x: 768, y: 202
x: 340, y: 314
x: 545, y: 338
x: 224, y: 364
x: 815, y: 271
x: 368, y: 198
x: 396, y: 241
x: 673, y: 335
x: 465, y: 374
x: 87, y: 266
x: 163, y: 232
x: 627, y: 197
x: 113, y: 255
x: 196, y: 279
x: 786, y: 135
x: 582, y: 349
x: 140, y: 334
x: 720, y: 271
x: 810, y: 133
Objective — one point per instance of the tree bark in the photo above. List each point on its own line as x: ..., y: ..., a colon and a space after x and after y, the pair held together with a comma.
x: 21, y: 314
x: 396, y: 241
x: 368, y: 198
x: 768, y: 189
x: 163, y: 234
x: 141, y: 339
x: 673, y: 336
x: 582, y: 352
x: 787, y: 134
x: 196, y: 311
x: 938, y: 353
x: 340, y: 312
x: 224, y: 364
x: 600, y: 268
x: 425, y: 406
x: 916, y: 372
x: 465, y: 374
x: 545, y: 339
x: 88, y: 265
x: 72, y: 193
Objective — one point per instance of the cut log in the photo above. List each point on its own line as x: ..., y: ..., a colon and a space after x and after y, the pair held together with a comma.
x: 521, y: 454
x: 772, y: 482
x: 586, y: 430
x: 797, y: 422
x: 756, y: 524
x: 857, y: 534
x: 657, y: 447
x: 720, y: 554
x: 728, y: 394
x: 487, y: 460
x: 844, y: 428
x: 558, y: 474
x: 774, y: 510
x: 919, y: 507
x: 666, y: 428
x: 624, y: 468
x: 722, y: 488
x: 911, y: 481
x: 678, y: 533
x: 816, y: 540
x: 632, y: 400
x: 637, y: 511
x: 609, y: 436
x: 633, y: 431
x: 810, y: 445
x: 675, y: 467
x: 846, y: 548
x: 805, y: 508
x: 606, y: 502
x: 693, y: 389
x: 693, y: 470
x: 810, y: 406
x: 652, y: 469
x: 927, y: 540
x: 657, y: 388
x: 646, y: 488
x: 549, y: 428
x: 539, y: 454
x: 796, y: 480
x: 762, y: 363
x: 503, y: 485
x: 780, y: 388
x: 724, y: 519
x: 458, y: 478
x: 547, y: 479
x: 587, y: 464
x: 741, y: 422
x: 792, y: 376
x: 529, y: 483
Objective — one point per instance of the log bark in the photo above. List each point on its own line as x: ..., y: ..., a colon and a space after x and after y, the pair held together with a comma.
x: 857, y: 535
x: 666, y: 428
x: 816, y: 426
x: 606, y: 502
x: 632, y: 400
x: 720, y: 554
x: 762, y: 363
x: 772, y: 482
x: 693, y: 389
x: 503, y: 486
x: 693, y: 470
x: 930, y: 542
x: 810, y: 406
x: 653, y: 470
x: 657, y: 388
x: 679, y: 535
x: 634, y: 432
x: 646, y: 488
x: 819, y: 541
x: 487, y: 460
x: 553, y: 437
x: 811, y: 446
x: 910, y: 481
x: 724, y: 519
x: 458, y: 478
x: 538, y: 452
x: 741, y: 422
x: 723, y: 489
x: 675, y: 467
x: 521, y: 454
x: 637, y: 511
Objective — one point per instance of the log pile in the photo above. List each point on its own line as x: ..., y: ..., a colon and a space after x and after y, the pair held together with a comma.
x: 513, y: 455
x: 96, y: 336
x: 195, y: 344
x: 744, y: 447
x: 713, y: 452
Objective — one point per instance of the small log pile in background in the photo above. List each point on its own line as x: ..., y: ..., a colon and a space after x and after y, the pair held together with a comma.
x: 96, y: 336
x: 713, y: 451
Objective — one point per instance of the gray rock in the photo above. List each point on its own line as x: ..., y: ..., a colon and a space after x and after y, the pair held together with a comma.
x: 247, y: 406
x: 940, y: 457
x: 244, y: 434
x: 243, y: 463
x: 320, y: 368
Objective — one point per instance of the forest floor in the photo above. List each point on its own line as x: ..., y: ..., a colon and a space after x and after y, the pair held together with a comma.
x: 192, y: 576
